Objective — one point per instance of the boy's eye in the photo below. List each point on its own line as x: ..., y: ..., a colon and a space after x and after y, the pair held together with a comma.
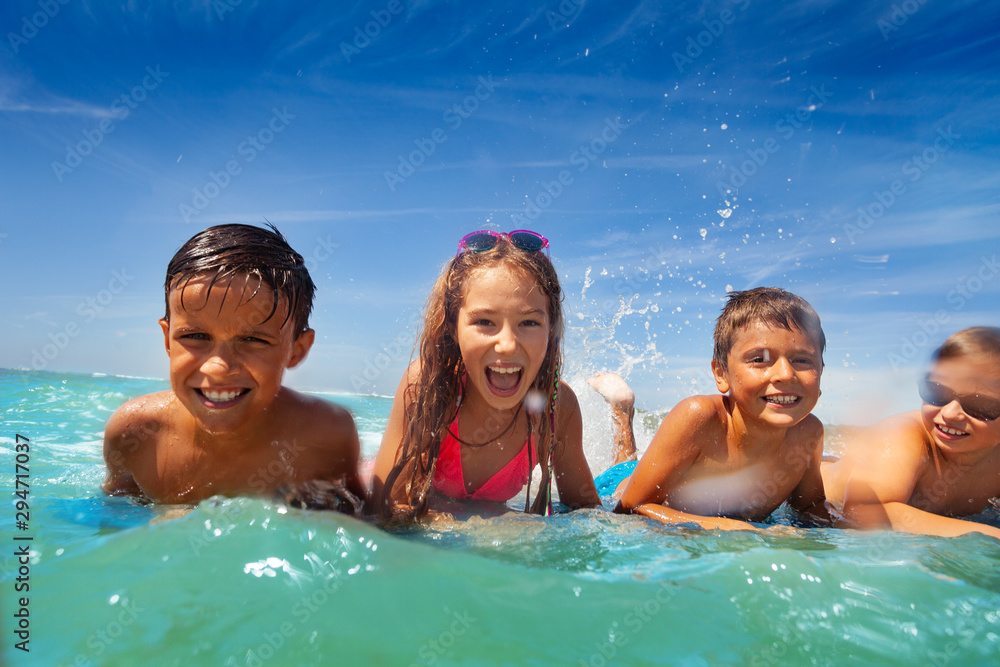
x: 759, y: 356
x: 254, y: 339
x: 194, y: 336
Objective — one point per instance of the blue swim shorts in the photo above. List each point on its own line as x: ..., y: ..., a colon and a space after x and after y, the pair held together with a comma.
x: 607, y: 482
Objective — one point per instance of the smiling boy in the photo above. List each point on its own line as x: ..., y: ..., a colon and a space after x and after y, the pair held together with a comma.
x: 918, y: 471
x: 238, y: 300
x: 720, y: 461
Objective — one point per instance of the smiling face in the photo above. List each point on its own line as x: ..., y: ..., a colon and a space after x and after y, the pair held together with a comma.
x: 953, y: 430
x: 503, y: 332
x: 226, y: 361
x: 772, y: 374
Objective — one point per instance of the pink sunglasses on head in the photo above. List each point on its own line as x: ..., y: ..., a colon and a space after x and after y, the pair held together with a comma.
x: 485, y: 239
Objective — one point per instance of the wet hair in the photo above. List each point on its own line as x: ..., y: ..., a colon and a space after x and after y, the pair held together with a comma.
x: 431, y: 402
x: 772, y: 306
x: 226, y: 251
x: 981, y: 342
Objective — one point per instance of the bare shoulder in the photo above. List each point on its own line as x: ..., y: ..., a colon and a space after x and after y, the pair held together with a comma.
x: 892, y: 452
x: 690, y: 426
x: 316, y: 418
x: 130, y: 436
x: 567, y: 403
x: 900, y: 435
x: 809, y: 432
x: 905, y: 424
x: 698, y: 413
x: 141, y: 418
x: 412, y: 373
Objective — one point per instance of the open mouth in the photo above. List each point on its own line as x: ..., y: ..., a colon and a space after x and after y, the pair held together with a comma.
x: 784, y: 400
x: 502, y: 380
x: 949, y: 432
x: 221, y: 399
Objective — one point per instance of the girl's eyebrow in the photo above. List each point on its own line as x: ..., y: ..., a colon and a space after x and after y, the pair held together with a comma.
x: 492, y: 311
x: 480, y: 311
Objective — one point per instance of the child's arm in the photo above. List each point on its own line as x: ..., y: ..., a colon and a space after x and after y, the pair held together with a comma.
x: 117, y: 448
x: 344, y: 443
x: 675, y: 448
x: 808, y: 497
x: 908, y: 519
x: 884, y: 469
x: 573, y: 477
x: 667, y: 515
x: 392, y: 438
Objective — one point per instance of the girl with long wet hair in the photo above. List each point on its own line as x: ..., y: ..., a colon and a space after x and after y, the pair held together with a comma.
x: 482, y: 406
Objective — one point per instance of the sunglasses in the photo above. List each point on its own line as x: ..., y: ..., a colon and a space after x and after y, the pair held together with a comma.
x: 978, y: 407
x: 485, y: 239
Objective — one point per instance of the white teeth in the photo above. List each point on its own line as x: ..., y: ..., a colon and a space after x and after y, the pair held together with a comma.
x: 951, y: 431
x: 782, y: 400
x: 498, y: 369
x: 220, y: 396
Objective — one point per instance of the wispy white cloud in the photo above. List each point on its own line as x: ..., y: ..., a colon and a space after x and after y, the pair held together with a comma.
x: 19, y: 94
x: 328, y: 215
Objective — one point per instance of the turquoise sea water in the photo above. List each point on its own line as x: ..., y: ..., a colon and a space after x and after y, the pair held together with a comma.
x: 249, y: 582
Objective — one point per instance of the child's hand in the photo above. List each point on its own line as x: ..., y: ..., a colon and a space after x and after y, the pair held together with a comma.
x: 171, y: 513
x: 322, y: 494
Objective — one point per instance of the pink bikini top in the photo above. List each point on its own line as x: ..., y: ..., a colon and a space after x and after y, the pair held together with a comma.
x: 501, y: 487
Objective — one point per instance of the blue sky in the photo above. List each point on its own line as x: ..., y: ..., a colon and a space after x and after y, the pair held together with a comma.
x: 845, y: 151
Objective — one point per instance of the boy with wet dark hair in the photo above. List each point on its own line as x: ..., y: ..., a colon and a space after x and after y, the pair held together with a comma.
x: 721, y: 461
x: 238, y: 300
